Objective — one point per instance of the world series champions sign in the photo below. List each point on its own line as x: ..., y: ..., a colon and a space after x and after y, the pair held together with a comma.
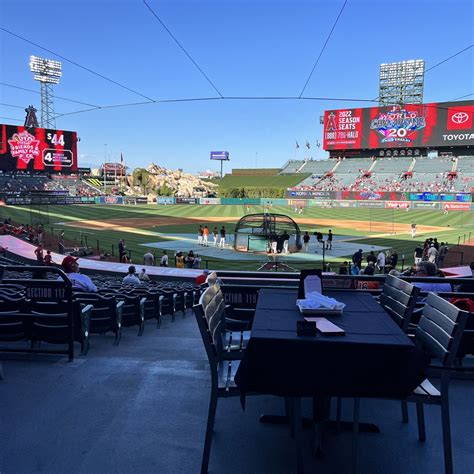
x: 400, y: 126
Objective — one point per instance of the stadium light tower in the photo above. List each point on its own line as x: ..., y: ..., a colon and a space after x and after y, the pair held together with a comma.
x: 47, y: 72
x: 402, y: 82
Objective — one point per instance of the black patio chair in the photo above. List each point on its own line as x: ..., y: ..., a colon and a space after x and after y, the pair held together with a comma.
x: 211, y: 327
x: 233, y: 342
x: 439, y: 334
x: 399, y: 299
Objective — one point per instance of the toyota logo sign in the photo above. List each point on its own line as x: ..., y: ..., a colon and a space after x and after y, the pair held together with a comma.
x: 460, y: 117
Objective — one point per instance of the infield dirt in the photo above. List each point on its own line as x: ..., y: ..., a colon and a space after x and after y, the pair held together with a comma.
x: 153, y: 222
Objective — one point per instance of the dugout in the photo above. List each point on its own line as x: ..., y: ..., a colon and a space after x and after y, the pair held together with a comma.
x: 255, y: 232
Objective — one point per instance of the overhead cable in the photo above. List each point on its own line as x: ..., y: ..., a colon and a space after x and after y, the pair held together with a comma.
x: 323, y: 48
x: 182, y: 48
x: 55, y: 96
x: 76, y: 64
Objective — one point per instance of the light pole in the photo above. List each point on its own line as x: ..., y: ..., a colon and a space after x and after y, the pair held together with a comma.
x: 47, y: 72
x: 105, y: 162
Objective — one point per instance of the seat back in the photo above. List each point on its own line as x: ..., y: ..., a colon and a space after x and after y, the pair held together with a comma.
x: 212, y: 279
x: 441, y: 329
x: 13, y: 326
x: 211, y: 324
x: 399, y: 299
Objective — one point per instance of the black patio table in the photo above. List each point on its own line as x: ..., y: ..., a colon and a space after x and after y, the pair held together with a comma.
x: 373, y: 359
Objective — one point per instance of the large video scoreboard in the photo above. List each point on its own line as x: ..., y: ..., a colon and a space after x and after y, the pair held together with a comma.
x: 37, y: 149
x: 441, y: 124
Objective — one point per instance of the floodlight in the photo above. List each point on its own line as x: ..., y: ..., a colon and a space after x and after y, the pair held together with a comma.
x: 402, y: 82
x: 47, y: 72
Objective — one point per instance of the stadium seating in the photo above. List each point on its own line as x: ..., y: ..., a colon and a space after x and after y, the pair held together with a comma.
x: 291, y: 166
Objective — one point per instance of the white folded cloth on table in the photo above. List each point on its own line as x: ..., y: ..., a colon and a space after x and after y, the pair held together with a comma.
x: 316, y: 300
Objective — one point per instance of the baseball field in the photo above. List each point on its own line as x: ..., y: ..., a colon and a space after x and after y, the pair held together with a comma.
x: 175, y: 227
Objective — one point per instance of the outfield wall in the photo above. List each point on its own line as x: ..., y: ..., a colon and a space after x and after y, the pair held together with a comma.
x: 320, y: 199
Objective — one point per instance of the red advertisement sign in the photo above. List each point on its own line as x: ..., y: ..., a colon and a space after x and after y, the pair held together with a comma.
x: 37, y: 149
x: 400, y: 126
x: 460, y: 118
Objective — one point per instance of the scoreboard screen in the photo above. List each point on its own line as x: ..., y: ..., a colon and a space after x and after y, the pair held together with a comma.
x: 400, y: 126
x: 37, y: 149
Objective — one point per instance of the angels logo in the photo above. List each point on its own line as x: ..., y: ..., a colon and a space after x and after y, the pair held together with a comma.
x: 398, y: 124
x: 24, y: 146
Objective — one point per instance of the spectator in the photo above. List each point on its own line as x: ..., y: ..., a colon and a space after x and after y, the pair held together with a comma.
x: 39, y: 254
x: 443, y: 250
x: 432, y: 254
x: 357, y: 259
x: 143, y: 276
x: 344, y: 269
x: 39, y: 234
x: 148, y: 259
x: 201, y: 279
x: 306, y: 239
x: 121, y: 249
x: 197, y: 261
x: 367, y: 284
x: 381, y: 261
x: 131, y: 278
x: 179, y: 260
x: 79, y: 282
x: 394, y: 258
x: 164, y: 259
x: 48, y: 259
x: 418, y: 254
x: 190, y: 259
x: 371, y: 258
x: 355, y: 270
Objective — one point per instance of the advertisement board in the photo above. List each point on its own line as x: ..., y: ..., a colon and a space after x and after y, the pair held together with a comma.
x: 397, y: 204
x: 457, y: 206
x: 109, y: 199
x: 209, y: 201
x: 344, y: 204
x: 458, y: 197
x: 220, y: 155
x: 185, y: 200
x: 37, y: 149
x: 435, y: 124
x: 425, y: 205
x: 306, y: 194
x: 164, y: 200
x: 371, y: 204
x: 423, y: 196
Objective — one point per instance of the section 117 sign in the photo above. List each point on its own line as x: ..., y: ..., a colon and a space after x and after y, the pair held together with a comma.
x: 220, y: 155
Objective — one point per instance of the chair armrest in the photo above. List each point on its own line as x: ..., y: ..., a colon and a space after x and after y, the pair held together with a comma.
x: 236, y: 325
x: 142, y: 308
x: 86, y: 311
x: 160, y: 305
x: 119, y: 309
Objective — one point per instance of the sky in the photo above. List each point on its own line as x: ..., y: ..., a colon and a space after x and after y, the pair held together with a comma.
x: 245, y: 48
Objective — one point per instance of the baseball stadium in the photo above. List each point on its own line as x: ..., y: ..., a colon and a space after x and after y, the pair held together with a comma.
x: 336, y: 282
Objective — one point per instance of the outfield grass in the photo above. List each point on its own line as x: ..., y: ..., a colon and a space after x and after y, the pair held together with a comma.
x: 457, y: 224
